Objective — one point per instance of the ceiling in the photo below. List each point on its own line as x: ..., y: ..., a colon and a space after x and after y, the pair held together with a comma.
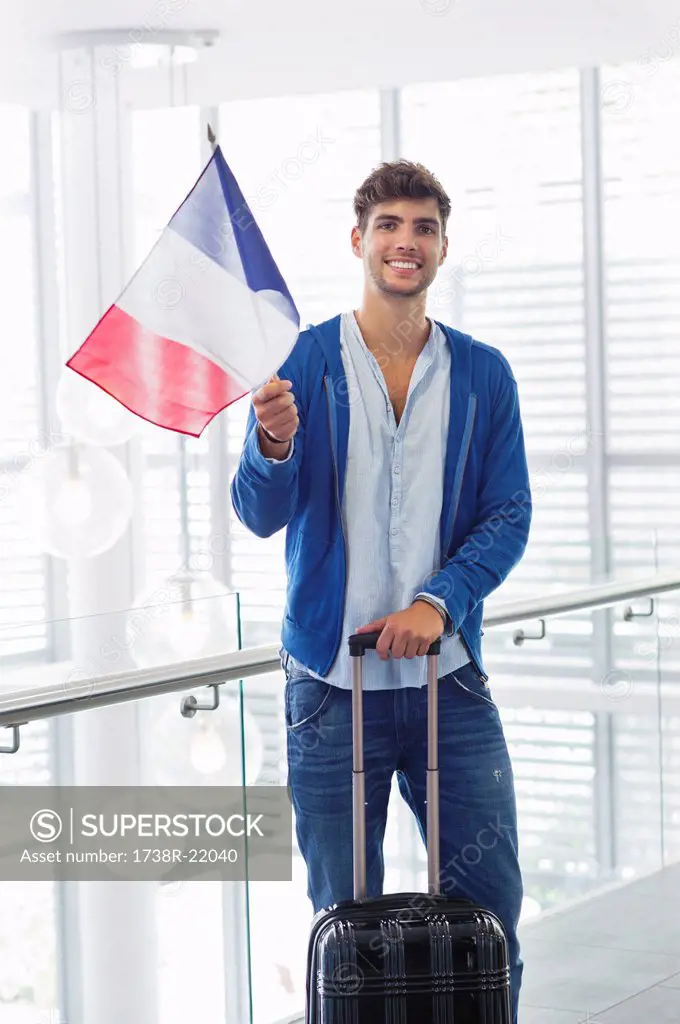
x: 284, y: 46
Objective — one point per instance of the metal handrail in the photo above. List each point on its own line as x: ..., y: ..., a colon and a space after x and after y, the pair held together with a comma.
x: 599, y: 595
x: 40, y: 702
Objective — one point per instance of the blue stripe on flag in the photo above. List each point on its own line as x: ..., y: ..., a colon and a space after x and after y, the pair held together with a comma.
x: 216, y: 219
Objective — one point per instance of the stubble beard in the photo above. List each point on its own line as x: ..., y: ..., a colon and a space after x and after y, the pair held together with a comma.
x: 382, y: 285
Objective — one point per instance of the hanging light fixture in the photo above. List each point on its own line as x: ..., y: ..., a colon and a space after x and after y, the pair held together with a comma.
x: 205, y: 750
x: 77, y: 501
x: 90, y: 415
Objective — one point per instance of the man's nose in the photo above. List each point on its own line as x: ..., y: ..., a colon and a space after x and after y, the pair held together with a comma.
x: 407, y: 243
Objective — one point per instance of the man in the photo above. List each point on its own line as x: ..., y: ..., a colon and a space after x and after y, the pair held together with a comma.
x: 392, y: 449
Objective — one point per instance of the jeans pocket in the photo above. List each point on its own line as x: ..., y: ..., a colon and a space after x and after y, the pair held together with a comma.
x: 466, y: 678
x: 305, y: 700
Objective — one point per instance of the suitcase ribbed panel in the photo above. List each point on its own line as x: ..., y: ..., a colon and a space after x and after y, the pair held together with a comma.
x: 395, y: 972
x: 441, y: 957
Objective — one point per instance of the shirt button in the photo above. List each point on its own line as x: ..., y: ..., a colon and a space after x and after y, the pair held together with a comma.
x: 395, y: 502
x: 394, y: 531
x: 396, y: 469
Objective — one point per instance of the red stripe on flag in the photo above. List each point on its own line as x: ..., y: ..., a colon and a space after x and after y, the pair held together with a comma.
x: 158, y: 379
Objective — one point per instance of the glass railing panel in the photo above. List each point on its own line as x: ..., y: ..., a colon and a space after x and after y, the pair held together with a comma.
x: 141, y: 742
x: 29, y: 979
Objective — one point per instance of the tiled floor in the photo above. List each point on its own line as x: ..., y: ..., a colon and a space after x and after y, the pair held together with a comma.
x: 614, y: 959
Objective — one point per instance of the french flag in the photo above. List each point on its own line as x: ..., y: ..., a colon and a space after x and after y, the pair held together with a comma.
x: 206, y: 318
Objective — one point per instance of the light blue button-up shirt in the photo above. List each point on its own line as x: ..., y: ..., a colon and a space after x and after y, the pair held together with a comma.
x: 392, y: 502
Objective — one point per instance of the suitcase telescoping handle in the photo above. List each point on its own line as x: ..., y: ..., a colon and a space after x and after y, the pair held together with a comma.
x: 358, y: 644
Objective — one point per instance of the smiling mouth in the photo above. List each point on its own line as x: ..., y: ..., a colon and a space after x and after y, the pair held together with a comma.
x: 403, y: 266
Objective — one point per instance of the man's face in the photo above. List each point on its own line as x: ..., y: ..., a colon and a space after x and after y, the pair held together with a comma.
x: 401, y: 231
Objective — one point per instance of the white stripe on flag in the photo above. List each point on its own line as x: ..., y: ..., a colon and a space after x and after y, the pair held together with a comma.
x: 181, y: 294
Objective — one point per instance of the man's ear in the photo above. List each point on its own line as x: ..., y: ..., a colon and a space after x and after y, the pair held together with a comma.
x: 356, y: 242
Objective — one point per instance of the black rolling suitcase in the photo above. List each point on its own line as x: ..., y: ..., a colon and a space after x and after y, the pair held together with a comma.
x: 410, y: 958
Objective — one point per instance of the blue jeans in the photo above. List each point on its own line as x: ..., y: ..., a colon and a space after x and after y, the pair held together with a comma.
x: 479, y: 846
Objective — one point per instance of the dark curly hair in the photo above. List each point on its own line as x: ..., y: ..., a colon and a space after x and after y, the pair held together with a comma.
x: 399, y: 179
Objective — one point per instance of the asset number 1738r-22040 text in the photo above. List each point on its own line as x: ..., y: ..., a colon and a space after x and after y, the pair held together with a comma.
x: 194, y: 856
